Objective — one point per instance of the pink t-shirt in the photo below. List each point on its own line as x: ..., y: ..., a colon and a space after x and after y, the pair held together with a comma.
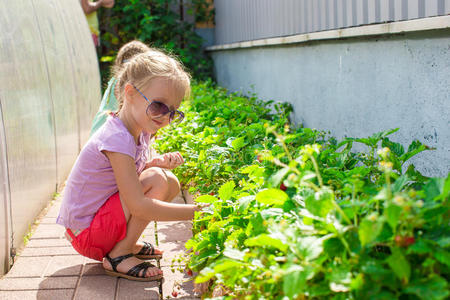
x: 91, y: 181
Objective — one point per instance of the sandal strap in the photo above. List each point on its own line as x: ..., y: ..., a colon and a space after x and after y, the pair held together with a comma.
x: 117, y: 260
x: 145, y: 249
x: 134, y: 271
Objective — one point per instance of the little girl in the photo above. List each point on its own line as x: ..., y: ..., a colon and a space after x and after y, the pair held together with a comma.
x: 112, y: 192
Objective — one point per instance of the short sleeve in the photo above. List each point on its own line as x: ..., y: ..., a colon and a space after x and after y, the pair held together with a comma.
x: 119, y: 142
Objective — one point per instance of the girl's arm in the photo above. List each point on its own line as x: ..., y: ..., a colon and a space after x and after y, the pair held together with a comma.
x: 138, y: 204
x: 89, y: 7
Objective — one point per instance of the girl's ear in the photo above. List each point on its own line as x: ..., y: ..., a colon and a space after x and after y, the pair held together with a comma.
x: 128, y: 92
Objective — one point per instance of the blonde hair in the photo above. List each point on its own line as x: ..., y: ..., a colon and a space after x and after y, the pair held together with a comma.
x: 126, y: 52
x: 144, y: 67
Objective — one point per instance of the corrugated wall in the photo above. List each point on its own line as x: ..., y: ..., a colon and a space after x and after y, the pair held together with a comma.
x: 245, y: 20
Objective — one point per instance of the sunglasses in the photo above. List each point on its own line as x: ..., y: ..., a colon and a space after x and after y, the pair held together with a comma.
x: 159, y: 109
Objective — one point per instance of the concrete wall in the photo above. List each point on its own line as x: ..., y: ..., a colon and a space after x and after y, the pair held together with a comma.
x: 357, y: 86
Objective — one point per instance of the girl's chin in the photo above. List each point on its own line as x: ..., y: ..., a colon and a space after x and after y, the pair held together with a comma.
x: 152, y: 130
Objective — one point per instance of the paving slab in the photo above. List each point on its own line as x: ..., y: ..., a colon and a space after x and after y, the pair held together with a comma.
x: 91, y: 269
x: 62, y: 294
x: 128, y: 289
x: 96, y: 287
x: 48, y: 251
x: 45, y: 243
x: 49, y: 268
x: 65, y: 266
x: 48, y: 231
x: 29, y: 267
x: 44, y: 283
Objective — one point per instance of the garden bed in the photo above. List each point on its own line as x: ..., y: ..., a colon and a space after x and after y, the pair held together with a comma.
x: 296, y: 213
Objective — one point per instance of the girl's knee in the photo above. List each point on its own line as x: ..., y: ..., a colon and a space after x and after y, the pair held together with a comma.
x: 174, y: 185
x: 160, y: 183
x: 154, y: 180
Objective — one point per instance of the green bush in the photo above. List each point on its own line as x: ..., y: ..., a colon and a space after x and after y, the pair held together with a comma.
x: 157, y: 23
x: 296, y: 214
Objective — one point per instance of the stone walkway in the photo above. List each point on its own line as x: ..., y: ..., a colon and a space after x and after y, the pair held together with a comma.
x: 49, y: 268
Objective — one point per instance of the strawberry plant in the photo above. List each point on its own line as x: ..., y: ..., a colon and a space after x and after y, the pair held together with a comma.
x: 296, y: 214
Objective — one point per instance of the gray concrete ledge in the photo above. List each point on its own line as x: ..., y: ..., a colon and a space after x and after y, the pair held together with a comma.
x: 432, y: 23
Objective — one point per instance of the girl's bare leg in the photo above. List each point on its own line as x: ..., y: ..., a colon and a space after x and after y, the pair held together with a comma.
x: 157, y: 184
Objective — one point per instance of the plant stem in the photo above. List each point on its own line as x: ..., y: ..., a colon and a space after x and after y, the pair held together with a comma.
x: 316, y: 167
x: 355, y: 218
x: 342, y: 213
x: 280, y: 138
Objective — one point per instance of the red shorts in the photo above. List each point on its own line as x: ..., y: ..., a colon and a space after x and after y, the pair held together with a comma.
x: 108, y: 227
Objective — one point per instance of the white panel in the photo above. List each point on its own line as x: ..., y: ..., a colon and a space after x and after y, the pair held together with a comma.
x: 303, y: 15
x: 323, y: 15
x: 331, y: 20
x: 340, y: 16
x: 349, y: 8
x: 244, y: 20
x: 384, y: 10
x: 371, y: 11
x: 315, y: 14
x: 297, y: 16
x: 413, y: 9
x: 398, y: 9
x: 359, y: 12
x: 309, y: 11
x: 431, y: 8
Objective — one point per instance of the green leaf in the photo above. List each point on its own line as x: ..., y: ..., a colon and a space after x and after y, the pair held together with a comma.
x: 244, y: 203
x: 369, y: 230
x: 443, y: 257
x: 321, y: 203
x: 276, y: 178
x: 294, y: 280
x: 419, y: 247
x: 234, y: 254
x: 340, y: 278
x: 433, y: 188
x: 206, y: 199
x: 400, y: 183
x: 272, y: 197
x: 238, y: 143
x: 444, y: 242
x: 226, y: 190
x: 227, y: 265
x: 310, y: 247
x: 392, y: 214
x: 414, y: 148
x: 399, y: 265
x: 396, y: 148
x: 205, y: 275
x: 264, y: 240
x: 107, y: 58
x: 431, y: 288
x: 255, y: 225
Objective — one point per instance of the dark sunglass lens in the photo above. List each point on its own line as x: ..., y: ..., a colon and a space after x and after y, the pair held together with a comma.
x: 157, y: 109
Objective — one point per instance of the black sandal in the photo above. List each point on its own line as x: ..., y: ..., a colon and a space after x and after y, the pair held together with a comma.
x: 133, y: 273
x: 148, y: 252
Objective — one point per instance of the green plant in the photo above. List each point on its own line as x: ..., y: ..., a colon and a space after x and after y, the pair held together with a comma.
x: 296, y: 214
x: 158, y: 23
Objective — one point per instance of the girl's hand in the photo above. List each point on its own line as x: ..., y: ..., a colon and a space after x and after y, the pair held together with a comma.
x: 200, y: 206
x: 166, y: 161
